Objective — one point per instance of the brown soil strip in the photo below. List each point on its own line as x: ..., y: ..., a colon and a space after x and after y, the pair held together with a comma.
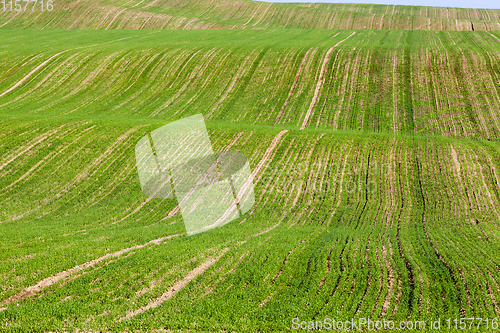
x: 455, y: 161
x: 237, y: 76
x: 390, y: 211
x: 260, y: 166
x: 116, y: 16
x: 294, y: 85
x: 492, y: 297
x: 282, y: 266
x: 492, y: 166
x: 154, y: 283
x: 267, y: 299
x: 271, y: 228
x: 265, y: 12
x: 198, y: 70
x: 47, y: 282
x: 467, y: 290
x: 43, y: 160
x: 267, y: 154
x: 105, y: 18
x: 319, y: 84
x: 30, y: 73
x: 251, y: 18
x: 488, y: 193
x: 27, y: 148
x: 477, y: 108
x: 289, y: 17
x: 238, y: 136
x: 390, y: 287
x: 345, y: 86
x: 136, y: 210
x: 497, y: 308
x: 18, y: 68
x: 173, y: 212
x: 177, y: 287
x: 210, y: 289
x: 494, y: 36
x: 402, y: 208
x: 177, y: 208
x: 13, y: 17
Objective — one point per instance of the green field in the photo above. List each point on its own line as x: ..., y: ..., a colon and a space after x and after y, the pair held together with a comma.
x: 375, y: 149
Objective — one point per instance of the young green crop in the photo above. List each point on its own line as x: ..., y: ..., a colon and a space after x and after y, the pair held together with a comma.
x: 327, y: 237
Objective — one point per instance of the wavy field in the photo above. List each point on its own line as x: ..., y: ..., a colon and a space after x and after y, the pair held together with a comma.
x: 426, y: 83
x: 246, y: 14
x: 375, y: 153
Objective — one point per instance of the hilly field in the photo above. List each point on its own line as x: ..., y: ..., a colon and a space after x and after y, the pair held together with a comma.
x: 239, y: 14
x: 374, y: 149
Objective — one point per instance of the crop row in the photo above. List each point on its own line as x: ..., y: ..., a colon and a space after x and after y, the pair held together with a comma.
x: 230, y: 14
x: 430, y: 228
x: 382, y: 82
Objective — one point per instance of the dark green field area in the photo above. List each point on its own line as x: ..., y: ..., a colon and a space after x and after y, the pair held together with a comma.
x: 375, y: 153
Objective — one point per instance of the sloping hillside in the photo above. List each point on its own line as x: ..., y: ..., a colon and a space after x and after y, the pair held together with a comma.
x: 377, y: 178
x: 399, y: 82
x: 246, y: 14
x: 374, y: 146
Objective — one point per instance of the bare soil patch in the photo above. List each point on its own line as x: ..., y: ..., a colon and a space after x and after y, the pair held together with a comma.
x: 176, y: 287
x: 47, y: 282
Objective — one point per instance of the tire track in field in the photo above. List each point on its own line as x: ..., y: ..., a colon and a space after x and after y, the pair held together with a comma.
x: 116, y: 16
x: 275, y: 178
x: 18, y: 68
x: 27, y: 76
x: 294, y: 85
x: 274, y: 143
x: 422, y: 203
x: 262, y: 17
x: 178, y: 286
x: 34, y: 142
x: 250, y: 181
x: 251, y: 18
x: 390, y: 210
x: 264, y: 191
x: 47, y: 88
x: 88, y: 172
x: 47, y: 282
x: 232, y: 270
x: 319, y: 84
x: 42, y: 162
x: 407, y: 263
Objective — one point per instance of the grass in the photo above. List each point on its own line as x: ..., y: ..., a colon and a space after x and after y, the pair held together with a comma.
x: 420, y: 244
x: 229, y: 14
